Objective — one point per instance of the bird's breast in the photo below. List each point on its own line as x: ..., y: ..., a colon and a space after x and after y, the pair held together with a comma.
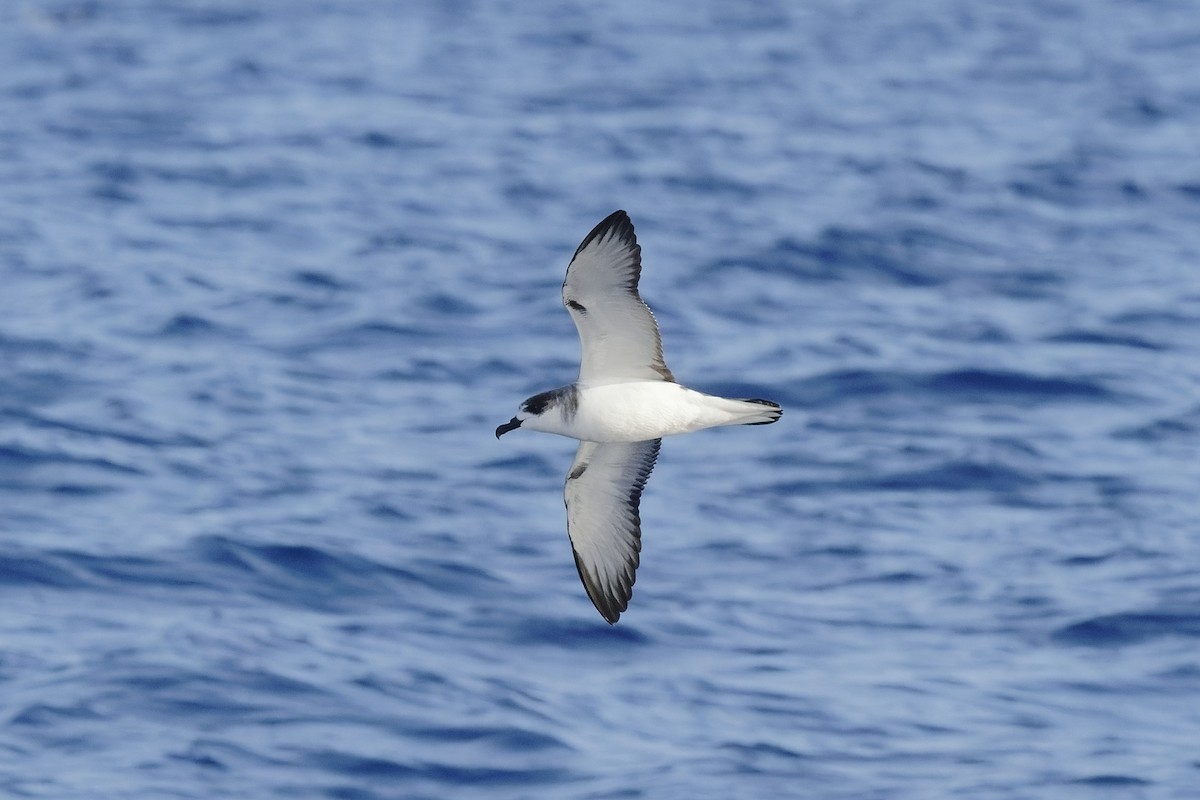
x: 634, y: 412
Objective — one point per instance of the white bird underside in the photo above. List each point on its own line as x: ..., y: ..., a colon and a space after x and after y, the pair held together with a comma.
x: 634, y: 412
x: 623, y: 403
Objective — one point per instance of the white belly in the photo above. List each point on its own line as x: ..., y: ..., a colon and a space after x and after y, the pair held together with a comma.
x: 634, y: 412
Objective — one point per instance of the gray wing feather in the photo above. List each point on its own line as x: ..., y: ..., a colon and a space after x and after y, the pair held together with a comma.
x: 619, y: 335
x: 603, y: 492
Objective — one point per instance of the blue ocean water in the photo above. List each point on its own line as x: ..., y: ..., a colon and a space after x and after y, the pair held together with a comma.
x: 271, y: 273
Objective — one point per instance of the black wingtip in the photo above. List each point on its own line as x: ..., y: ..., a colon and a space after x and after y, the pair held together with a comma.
x: 610, y: 606
x: 618, y: 222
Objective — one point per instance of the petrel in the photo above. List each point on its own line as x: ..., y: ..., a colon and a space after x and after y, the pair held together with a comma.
x: 624, y: 401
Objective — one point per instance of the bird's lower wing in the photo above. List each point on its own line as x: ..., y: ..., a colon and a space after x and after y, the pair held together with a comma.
x: 603, y: 491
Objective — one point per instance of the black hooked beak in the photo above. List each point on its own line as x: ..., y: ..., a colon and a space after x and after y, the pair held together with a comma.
x: 511, y: 425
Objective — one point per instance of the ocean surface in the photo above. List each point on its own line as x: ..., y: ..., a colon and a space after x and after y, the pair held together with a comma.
x: 271, y: 273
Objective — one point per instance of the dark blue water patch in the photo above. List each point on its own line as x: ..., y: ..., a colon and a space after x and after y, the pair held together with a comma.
x: 127, y: 126
x: 713, y: 184
x: 960, y: 385
x: 315, y: 578
x: 272, y: 176
x: 209, y: 755
x: 82, y: 489
x: 897, y: 578
x: 531, y: 195
x: 355, y: 793
x: 834, y: 388
x: 211, y: 15
x: 1058, y: 182
x: 224, y: 222
x: 950, y: 476
x: 1134, y: 627
x: 424, y: 370
x: 415, y: 684
x: 1120, y: 554
x: 392, y: 475
x: 311, y: 302
x: 1189, y: 190
x: 15, y: 232
x: 30, y: 570
x: 517, y: 740
x: 167, y: 691
x: 138, y: 438
x: 1170, y: 320
x: 12, y: 345
x: 316, y: 279
x: 1104, y: 339
x: 490, y: 369
x: 849, y: 551
x: 1180, y: 427
x: 797, y: 708
x: 529, y: 463
x: 983, y: 384
x: 114, y: 193
x: 121, y: 572
x: 117, y: 172
x: 974, y: 332
x: 843, y: 254
x: 302, y: 576
x: 1111, y: 781
x: 70, y: 15
x: 378, y: 140
x: 761, y: 749
x: 455, y: 577
x: 448, y: 305
x: 405, y: 241
x: 1184, y: 673
x: 15, y: 458
x: 1026, y: 284
x: 42, y: 715
x: 385, y: 510
x: 1112, y: 488
x: 188, y: 325
x: 369, y: 335
x: 738, y: 549
x: 116, y: 181
x: 765, y: 758
x: 377, y: 769
x: 258, y: 682
x: 575, y: 634
x: 361, y: 767
x: 391, y: 140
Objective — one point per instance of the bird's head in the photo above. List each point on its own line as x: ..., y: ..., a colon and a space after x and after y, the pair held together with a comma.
x: 547, y: 412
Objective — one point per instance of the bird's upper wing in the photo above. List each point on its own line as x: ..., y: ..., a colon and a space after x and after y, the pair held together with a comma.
x: 619, y: 335
x: 602, y: 492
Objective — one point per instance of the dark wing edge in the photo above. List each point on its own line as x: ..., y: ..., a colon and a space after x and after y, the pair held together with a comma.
x: 613, y: 598
x: 620, y: 226
x: 609, y: 605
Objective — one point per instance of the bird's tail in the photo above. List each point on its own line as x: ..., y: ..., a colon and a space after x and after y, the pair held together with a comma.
x: 758, y: 412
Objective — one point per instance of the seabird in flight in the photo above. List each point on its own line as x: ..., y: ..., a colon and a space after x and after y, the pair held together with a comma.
x: 624, y: 401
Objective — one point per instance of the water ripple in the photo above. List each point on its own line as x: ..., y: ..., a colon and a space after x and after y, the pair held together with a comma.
x: 269, y: 279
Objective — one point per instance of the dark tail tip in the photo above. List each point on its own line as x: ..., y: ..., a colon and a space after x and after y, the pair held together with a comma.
x: 774, y: 410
